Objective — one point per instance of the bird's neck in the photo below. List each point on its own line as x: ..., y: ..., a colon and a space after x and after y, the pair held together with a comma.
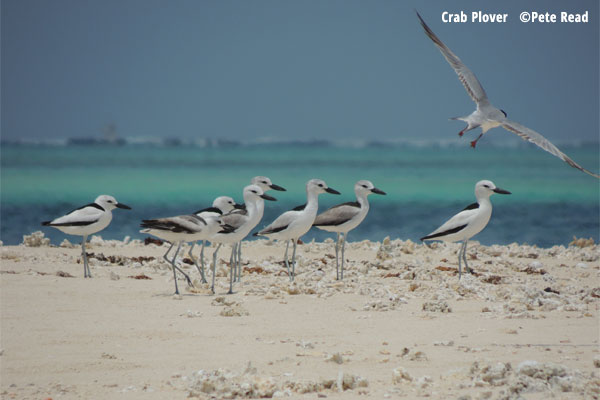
x: 312, y: 201
x: 484, y: 201
x: 363, y: 200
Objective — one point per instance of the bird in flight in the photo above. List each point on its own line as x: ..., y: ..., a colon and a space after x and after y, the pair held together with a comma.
x: 486, y: 115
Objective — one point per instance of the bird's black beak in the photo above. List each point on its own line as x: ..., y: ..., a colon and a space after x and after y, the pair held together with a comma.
x: 501, y: 191
x: 277, y: 187
x: 377, y: 191
x: 267, y: 197
x: 332, y: 191
x: 239, y: 206
x: 123, y: 206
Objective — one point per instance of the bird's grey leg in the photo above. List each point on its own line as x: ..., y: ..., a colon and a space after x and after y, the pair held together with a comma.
x: 233, y: 258
x: 187, y: 278
x: 337, y: 264
x: 202, y: 253
x: 165, y: 256
x: 467, y: 268
x: 343, y: 247
x: 285, y: 258
x: 214, y: 267
x: 294, y: 259
x: 239, y: 261
x: 201, y: 270
x: 232, y: 267
x: 86, y: 268
x: 459, y: 260
x: 174, y: 267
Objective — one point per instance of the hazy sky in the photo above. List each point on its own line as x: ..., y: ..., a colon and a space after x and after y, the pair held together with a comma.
x: 288, y: 69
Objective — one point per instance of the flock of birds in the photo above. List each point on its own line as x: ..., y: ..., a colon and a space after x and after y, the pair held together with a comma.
x: 228, y: 222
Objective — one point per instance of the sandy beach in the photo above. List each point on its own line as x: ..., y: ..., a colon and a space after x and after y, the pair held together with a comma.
x: 400, y: 325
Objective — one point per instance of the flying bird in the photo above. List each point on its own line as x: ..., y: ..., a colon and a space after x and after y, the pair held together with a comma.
x: 486, y: 115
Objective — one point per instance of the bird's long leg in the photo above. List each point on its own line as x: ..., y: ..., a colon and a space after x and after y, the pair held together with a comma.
x: 214, y: 268
x: 239, y: 262
x: 201, y: 270
x: 343, y: 247
x: 202, y: 255
x: 165, y: 256
x: 86, y: 268
x: 474, y: 142
x: 186, y: 276
x: 285, y: 259
x: 337, y: 264
x: 175, y: 267
x: 232, y: 267
x: 467, y: 268
x: 459, y: 260
x: 294, y: 259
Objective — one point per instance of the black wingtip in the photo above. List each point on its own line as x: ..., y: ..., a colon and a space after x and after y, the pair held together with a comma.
x: 46, y: 223
x: 255, y: 234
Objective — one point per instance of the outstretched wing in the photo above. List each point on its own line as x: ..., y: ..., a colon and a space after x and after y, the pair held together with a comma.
x: 465, y: 75
x: 532, y: 136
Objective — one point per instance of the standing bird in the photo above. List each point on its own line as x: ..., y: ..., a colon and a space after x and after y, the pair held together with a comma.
x: 486, y: 115
x: 344, y: 217
x: 220, y: 206
x: 294, y: 223
x: 469, y: 222
x: 265, y: 184
x: 87, y: 220
x: 239, y: 224
x: 180, y: 229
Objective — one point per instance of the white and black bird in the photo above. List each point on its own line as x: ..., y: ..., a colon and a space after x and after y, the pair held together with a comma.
x: 220, y: 206
x: 292, y: 224
x: 342, y: 218
x: 486, y: 115
x: 87, y: 220
x: 265, y: 184
x: 239, y: 225
x: 469, y: 222
x: 181, y: 229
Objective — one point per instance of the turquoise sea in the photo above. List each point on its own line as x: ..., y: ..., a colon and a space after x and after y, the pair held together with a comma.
x: 426, y: 184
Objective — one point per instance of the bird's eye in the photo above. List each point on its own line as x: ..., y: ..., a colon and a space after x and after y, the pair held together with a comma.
x: 320, y: 185
x: 365, y: 186
x: 486, y: 186
x: 265, y: 182
x: 254, y: 191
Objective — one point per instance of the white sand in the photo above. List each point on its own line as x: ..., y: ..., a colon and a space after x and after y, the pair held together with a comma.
x: 501, y: 335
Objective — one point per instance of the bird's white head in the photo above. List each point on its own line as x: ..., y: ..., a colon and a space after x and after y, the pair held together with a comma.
x: 214, y: 223
x: 265, y: 184
x: 253, y: 193
x: 319, y: 186
x: 365, y: 188
x: 486, y: 188
x: 109, y: 203
x: 224, y: 203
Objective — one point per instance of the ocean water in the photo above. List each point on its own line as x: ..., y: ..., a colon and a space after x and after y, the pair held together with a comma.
x: 425, y: 185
